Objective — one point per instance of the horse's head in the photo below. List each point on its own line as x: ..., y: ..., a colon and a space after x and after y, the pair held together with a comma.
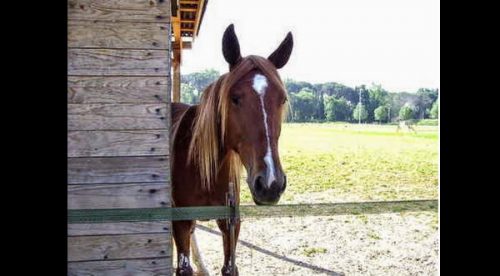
x: 256, y: 105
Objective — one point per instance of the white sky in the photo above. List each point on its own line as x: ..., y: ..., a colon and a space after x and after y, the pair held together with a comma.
x: 395, y: 43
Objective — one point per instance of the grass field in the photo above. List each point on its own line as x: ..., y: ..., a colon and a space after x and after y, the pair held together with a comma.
x: 332, y: 162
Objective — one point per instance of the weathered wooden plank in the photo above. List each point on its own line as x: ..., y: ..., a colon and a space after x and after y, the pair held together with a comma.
x: 118, y: 62
x: 90, y: 34
x: 110, y: 196
x: 96, y: 170
x: 110, y: 81
x: 120, y: 10
x: 118, y: 143
x: 117, y: 116
x: 150, y: 267
x: 83, y: 89
x: 82, y: 229
x: 110, y: 247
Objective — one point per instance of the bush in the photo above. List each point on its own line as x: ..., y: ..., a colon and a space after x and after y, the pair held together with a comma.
x: 434, y: 110
x: 380, y: 113
x: 360, y: 110
x: 336, y: 109
x: 406, y: 113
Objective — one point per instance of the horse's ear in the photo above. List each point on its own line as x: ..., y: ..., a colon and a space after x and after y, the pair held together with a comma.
x: 231, y: 47
x: 281, y: 55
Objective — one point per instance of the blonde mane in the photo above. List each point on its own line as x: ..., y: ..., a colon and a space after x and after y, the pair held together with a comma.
x: 211, y: 117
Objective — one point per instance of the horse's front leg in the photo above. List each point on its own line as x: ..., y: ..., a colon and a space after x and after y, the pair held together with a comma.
x: 226, y: 268
x: 182, y: 233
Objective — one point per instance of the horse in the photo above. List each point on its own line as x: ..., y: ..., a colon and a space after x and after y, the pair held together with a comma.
x: 236, y: 125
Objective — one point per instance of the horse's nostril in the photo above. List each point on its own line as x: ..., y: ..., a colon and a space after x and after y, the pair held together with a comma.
x: 259, y: 183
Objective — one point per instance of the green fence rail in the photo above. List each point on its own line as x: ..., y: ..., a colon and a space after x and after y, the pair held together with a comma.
x: 244, y: 211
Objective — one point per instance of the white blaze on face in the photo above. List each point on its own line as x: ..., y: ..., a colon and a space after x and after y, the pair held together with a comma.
x: 260, y: 85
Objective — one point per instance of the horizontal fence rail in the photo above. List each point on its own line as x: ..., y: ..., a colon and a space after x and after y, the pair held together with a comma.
x: 225, y: 212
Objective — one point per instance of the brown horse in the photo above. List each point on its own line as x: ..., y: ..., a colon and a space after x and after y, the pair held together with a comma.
x: 236, y: 124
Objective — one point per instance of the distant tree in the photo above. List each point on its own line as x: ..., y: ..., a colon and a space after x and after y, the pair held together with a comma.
x: 334, y: 101
x: 329, y: 103
x: 320, y: 107
x: 338, y: 90
x: 400, y: 99
x: 377, y: 96
x: 303, y: 105
x: 344, y: 110
x: 359, y: 111
x: 406, y: 113
x: 200, y: 80
x: 380, y: 113
x: 434, y: 110
x: 189, y: 94
x: 337, y: 109
x: 293, y: 86
x: 426, y: 97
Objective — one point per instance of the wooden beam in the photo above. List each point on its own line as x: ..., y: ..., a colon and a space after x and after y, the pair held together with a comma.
x: 177, y: 54
x: 176, y: 82
x: 189, y: 9
x: 198, y: 18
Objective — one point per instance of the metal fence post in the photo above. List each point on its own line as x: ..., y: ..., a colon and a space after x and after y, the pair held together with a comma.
x: 231, y: 221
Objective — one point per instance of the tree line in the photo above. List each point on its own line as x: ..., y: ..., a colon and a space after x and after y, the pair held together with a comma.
x: 333, y: 101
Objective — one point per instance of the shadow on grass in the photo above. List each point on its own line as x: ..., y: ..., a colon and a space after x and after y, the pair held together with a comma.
x: 270, y: 253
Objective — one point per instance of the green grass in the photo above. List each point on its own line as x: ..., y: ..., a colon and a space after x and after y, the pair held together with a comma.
x: 428, y: 122
x: 351, y: 162
x: 311, y: 251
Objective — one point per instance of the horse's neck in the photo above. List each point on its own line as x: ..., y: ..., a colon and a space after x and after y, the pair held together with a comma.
x: 183, y: 117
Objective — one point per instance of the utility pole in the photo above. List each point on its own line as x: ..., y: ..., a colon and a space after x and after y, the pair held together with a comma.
x: 360, y: 107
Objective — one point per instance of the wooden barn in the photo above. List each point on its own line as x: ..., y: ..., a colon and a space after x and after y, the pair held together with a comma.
x: 123, y: 66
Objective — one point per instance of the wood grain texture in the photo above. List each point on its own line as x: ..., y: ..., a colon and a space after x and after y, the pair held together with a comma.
x: 90, y: 34
x: 117, y: 116
x: 82, y: 89
x: 150, y: 267
x: 118, y: 143
x: 83, y: 229
x: 110, y: 196
x: 118, y: 120
x: 97, y: 170
x: 120, y: 10
x: 109, y: 247
x: 118, y: 62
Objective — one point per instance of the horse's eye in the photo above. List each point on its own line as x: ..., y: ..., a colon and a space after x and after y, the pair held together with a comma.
x: 235, y: 100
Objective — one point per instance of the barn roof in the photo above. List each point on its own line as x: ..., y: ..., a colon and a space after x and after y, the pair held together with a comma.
x: 187, y: 17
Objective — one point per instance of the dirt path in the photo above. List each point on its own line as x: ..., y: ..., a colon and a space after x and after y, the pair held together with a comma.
x: 378, y: 244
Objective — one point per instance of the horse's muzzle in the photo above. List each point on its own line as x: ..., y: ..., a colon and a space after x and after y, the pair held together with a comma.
x: 267, y: 194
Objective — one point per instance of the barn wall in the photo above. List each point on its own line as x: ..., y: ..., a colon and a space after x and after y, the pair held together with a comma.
x: 118, y: 122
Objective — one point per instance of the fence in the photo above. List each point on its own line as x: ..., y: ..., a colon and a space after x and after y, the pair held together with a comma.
x: 225, y: 212
x: 230, y: 212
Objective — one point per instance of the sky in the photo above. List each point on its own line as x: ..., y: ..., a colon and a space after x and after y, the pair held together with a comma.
x: 395, y: 43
